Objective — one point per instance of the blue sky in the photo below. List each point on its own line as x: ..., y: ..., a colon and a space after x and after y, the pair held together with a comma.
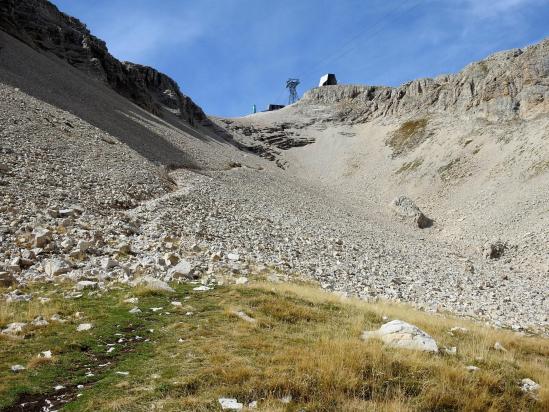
x: 229, y: 54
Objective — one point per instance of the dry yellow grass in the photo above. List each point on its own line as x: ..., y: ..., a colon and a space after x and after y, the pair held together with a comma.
x: 306, y: 346
x: 26, y: 311
x: 409, y: 135
x: 39, y: 361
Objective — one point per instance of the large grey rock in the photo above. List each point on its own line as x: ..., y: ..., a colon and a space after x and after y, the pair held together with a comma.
x: 527, y: 385
x: 400, y: 334
x: 494, y: 249
x: 154, y: 284
x: 407, y: 209
x: 230, y: 404
x: 86, y: 284
x: 41, y: 237
x: 183, y: 270
x: 84, y: 327
x: 56, y: 266
x: 14, y: 328
x: 328, y: 79
x: 7, y: 280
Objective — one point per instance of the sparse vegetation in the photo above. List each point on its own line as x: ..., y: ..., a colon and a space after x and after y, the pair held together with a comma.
x: 408, y: 136
x: 352, y: 166
x: 410, y: 166
x: 539, y: 168
x: 483, y: 66
x: 450, y: 170
x: 305, y: 348
x: 166, y: 178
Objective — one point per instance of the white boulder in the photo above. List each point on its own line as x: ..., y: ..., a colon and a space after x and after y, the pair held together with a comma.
x: 86, y: 284
x: 233, y: 256
x: 155, y: 284
x: 202, y: 288
x: 41, y: 237
x: 529, y: 386
x: 55, y: 267
x: 14, y: 328
x: 84, y: 245
x: 182, y: 270
x: 39, y: 321
x: 399, y: 334
x: 83, y: 327
x: 230, y: 404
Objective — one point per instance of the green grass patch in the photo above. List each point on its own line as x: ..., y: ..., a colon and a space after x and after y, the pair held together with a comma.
x: 75, y: 354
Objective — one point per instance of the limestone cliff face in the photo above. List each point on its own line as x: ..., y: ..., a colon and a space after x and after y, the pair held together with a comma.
x: 39, y: 24
x: 506, y: 85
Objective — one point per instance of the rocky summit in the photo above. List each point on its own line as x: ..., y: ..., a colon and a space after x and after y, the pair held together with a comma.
x: 432, y: 194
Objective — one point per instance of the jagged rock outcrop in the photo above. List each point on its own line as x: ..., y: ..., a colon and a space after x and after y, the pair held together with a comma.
x: 39, y: 24
x: 270, y: 140
x: 506, y: 85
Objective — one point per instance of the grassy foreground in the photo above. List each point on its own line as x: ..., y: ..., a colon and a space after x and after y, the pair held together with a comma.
x: 302, y: 352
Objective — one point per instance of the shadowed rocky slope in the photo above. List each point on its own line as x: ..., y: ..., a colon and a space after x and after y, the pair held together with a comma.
x: 55, y: 58
x: 39, y: 24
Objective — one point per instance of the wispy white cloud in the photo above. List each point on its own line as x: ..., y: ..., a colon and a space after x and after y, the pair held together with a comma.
x: 494, y: 8
x: 140, y: 34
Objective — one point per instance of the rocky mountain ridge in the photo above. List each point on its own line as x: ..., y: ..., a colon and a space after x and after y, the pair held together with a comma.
x: 508, y: 85
x: 40, y: 24
x: 509, y: 89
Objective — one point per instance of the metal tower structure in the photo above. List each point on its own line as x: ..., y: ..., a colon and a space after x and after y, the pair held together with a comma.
x: 291, y: 84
